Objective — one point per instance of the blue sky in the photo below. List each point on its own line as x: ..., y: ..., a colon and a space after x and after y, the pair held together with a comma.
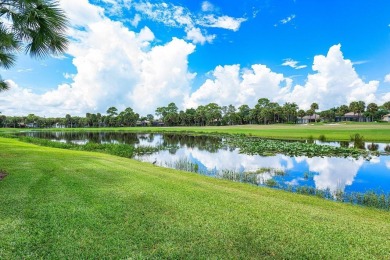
x: 145, y: 54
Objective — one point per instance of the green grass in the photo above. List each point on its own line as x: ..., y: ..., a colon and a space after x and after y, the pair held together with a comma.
x: 330, y: 132
x: 72, y: 204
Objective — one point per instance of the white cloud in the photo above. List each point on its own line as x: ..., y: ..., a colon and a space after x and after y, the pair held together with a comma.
x: 224, y: 22
x: 115, y: 67
x: 207, y: 6
x: 334, y: 83
x: 387, y: 78
x: 195, y: 35
x: 136, y: 20
x: 286, y: 20
x: 388, y: 165
x: 178, y: 16
x: 231, y: 85
x: 293, y: 64
x: 68, y: 75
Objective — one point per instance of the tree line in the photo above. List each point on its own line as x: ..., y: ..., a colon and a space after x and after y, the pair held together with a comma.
x: 264, y: 112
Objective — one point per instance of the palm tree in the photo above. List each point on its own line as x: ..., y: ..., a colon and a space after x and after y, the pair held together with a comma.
x: 314, y: 107
x: 372, y: 108
x: 38, y: 26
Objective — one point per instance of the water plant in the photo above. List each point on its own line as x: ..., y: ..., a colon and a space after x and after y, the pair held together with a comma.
x: 387, y: 148
x: 322, y: 138
x: 358, y: 141
x: 373, y: 147
x: 183, y: 164
x: 264, y: 147
x: 310, y: 139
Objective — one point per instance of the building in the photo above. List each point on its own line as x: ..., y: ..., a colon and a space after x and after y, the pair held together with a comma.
x: 309, y: 119
x: 386, y: 118
x: 353, y: 117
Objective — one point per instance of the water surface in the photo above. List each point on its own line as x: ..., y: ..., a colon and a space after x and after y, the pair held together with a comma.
x: 214, y: 158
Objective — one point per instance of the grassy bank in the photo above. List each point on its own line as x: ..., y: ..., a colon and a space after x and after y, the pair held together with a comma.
x: 332, y: 132
x: 70, y: 204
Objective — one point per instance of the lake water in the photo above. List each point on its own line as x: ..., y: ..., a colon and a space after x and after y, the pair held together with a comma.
x: 214, y: 158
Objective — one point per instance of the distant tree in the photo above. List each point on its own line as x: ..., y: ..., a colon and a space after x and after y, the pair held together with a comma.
x: 244, y: 114
x: 301, y: 113
x: 386, y: 106
x: 38, y: 26
x: 112, y: 111
x: 372, y: 108
x: 342, y: 110
x: 314, y: 107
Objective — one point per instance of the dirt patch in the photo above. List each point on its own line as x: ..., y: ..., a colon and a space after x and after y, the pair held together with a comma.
x: 3, y: 174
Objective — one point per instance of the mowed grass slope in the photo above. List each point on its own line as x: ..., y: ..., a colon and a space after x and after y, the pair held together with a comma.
x: 68, y: 204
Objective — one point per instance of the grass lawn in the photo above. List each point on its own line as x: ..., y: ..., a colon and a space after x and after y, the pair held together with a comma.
x: 332, y: 132
x: 68, y: 204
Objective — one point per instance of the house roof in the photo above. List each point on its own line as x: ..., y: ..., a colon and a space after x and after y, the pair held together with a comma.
x: 315, y: 116
x: 351, y: 114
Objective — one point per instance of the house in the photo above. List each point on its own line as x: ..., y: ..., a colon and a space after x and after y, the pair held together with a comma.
x: 32, y: 125
x: 353, y: 117
x: 157, y: 123
x: 58, y: 125
x: 142, y: 123
x: 309, y: 119
x: 386, y: 118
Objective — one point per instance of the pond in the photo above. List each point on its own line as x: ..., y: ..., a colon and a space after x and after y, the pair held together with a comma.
x: 213, y: 156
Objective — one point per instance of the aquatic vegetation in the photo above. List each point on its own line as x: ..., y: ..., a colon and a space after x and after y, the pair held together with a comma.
x: 387, y: 148
x: 183, y: 164
x: 322, y: 138
x: 373, y: 147
x: 358, y: 141
x: 265, y: 147
x: 310, y: 139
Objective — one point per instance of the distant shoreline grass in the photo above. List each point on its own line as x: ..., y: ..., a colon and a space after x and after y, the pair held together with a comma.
x: 59, y: 203
x: 379, y: 132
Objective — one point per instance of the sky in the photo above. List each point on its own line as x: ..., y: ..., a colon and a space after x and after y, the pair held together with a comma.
x: 145, y: 54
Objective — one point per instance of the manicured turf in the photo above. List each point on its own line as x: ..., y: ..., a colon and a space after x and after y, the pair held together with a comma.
x: 334, y: 132
x: 68, y: 204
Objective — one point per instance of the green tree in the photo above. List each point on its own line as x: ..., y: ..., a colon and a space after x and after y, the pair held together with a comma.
x: 386, y: 106
x: 301, y: 113
x: 37, y: 26
x: 314, y: 107
x: 372, y: 108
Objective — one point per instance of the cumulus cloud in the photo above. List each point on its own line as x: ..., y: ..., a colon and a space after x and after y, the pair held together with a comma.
x: 232, y: 85
x: 196, y: 36
x: 115, y: 66
x: 293, y: 64
x: 119, y: 67
x: 334, y: 83
x: 387, y: 78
